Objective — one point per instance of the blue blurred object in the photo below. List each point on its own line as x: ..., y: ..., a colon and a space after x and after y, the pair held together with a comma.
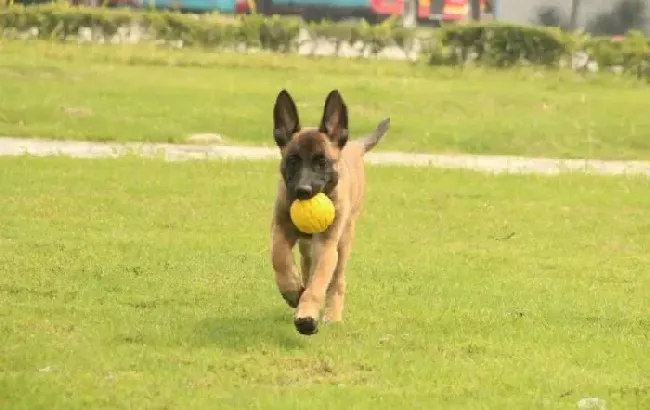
x: 220, y: 6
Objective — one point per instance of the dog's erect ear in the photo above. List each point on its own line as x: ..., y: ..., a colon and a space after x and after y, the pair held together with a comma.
x: 285, y: 119
x: 335, y: 119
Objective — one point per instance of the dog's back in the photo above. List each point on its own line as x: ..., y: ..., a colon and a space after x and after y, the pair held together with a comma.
x: 353, y: 176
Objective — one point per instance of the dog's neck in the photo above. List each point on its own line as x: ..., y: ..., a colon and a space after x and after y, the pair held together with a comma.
x: 331, y: 192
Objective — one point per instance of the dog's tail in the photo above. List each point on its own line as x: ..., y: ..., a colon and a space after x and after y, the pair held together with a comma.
x: 370, y: 140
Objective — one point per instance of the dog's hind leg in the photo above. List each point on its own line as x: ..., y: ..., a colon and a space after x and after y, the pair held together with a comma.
x: 304, y: 245
x: 287, y: 276
x: 336, y: 289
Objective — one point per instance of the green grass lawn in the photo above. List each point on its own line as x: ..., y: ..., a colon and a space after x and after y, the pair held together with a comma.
x: 143, y: 284
x: 141, y: 93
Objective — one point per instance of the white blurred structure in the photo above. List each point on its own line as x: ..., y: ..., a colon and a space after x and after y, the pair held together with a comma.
x: 524, y: 11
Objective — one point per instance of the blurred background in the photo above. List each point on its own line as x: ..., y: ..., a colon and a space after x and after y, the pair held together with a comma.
x: 598, y: 17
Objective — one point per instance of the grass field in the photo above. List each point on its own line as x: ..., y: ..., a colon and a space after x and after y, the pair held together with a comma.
x: 142, y: 93
x: 143, y: 284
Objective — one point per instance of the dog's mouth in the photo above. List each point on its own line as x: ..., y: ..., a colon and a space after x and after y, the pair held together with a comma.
x: 305, y: 192
x: 295, y: 197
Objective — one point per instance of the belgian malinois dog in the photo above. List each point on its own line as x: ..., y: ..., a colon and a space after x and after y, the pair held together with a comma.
x: 315, y: 160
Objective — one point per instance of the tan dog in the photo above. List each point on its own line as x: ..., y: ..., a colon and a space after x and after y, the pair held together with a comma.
x: 317, y: 160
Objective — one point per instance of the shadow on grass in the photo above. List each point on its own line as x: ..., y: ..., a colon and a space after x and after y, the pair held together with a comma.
x: 273, y: 327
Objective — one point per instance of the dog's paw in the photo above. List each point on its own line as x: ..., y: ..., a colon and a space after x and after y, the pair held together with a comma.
x: 306, y: 325
x: 292, y: 297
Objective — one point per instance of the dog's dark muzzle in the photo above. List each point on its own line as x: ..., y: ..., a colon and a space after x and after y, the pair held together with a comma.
x: 304, y: 192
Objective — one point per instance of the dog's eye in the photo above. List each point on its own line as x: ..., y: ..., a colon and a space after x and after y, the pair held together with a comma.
x: 292, y: 162
x: 321, y: 161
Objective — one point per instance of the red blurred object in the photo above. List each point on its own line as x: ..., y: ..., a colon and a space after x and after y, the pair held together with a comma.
x: 242, y: 7
x: 452, y: 10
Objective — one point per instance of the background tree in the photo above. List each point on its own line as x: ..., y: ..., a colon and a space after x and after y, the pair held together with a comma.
x: 476, y: 10
x: 624, y: 16
x: 551, y: 16
x: 575, y: 11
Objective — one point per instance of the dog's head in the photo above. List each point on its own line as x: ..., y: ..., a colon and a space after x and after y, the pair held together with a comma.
x: 310, y: 156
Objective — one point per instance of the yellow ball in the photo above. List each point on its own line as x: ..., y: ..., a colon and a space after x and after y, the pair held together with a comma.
x: 313, y: 215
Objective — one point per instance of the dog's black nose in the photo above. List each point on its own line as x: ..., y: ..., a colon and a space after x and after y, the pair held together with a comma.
x: 304, y: 192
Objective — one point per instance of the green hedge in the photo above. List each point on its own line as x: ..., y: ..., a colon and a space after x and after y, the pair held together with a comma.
x: 503, y: 45
x: 491, y: 44
x: 631, y: 53
x: 273, y: 33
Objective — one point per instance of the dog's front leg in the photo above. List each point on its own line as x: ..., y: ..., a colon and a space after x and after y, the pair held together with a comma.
x: 325, y: 256
x: 336, y: 290
x: 287, y: 276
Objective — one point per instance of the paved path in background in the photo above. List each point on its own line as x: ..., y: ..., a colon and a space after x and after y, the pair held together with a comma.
x: 173, y: 152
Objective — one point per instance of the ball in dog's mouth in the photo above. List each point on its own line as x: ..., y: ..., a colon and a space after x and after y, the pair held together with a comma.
x: 313, y: 215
